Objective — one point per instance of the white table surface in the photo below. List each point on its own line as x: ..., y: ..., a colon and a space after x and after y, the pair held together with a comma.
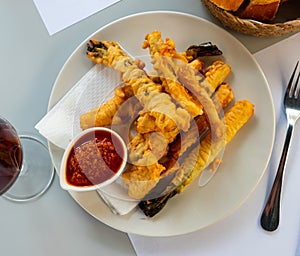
x: 29, y: 63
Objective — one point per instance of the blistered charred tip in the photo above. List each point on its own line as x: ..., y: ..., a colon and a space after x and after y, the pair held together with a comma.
x: 204, y: 49
x: 93, y: 45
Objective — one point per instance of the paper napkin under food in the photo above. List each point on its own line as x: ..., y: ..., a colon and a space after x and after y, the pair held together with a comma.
x: 62, y: 122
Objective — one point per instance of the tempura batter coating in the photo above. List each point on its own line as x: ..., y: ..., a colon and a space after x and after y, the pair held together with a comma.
x: 198, y: 160
x: 235, y: 118
x: 186, y: 139
x: 166, y: 115
x: 167, y: 108
x: 152, y: 153
x: 217, y: 73
x: 111, y: 54
x: 166, y: 61
x: 103, y: 115
x: 141, y: 179
x: 184, y: 83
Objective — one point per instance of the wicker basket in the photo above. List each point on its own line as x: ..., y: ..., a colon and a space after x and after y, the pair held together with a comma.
x: 251, y: 27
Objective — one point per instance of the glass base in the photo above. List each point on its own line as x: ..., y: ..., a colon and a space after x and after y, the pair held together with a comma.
x: 37, y: 171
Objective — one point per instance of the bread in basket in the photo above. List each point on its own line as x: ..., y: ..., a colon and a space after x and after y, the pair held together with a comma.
x: 257, y: 17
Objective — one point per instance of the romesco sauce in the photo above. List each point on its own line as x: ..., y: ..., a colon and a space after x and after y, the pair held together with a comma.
x: 95, y: 157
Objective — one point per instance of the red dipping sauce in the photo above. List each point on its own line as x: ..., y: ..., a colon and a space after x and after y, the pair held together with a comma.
x: 94, y: 158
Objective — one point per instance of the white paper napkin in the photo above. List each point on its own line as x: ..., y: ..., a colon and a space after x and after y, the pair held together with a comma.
x: 92, y: 90
x: 58, y: 15
x: 240, y: 233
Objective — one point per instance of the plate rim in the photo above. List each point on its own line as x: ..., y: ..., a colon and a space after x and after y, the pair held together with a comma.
x: 188, y: 15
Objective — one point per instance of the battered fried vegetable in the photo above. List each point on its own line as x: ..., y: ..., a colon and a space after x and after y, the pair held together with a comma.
x: 167, y: 117
x: 167, y: 106
x: 148, y: 92
x: 235, y: 118
x: 167, y: 67
x: 183, y: 83
x: 225, y: 96
x: 157, y: 46
x: 103, y: 115
x: 165, y: 62
x: 141, y: 179
x: 184, y: 141
x: 216, y: 73
x: 198, y: 160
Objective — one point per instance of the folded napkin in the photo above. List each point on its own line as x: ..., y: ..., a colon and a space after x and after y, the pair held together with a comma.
x: 240, y: 233
x: 85, y: 95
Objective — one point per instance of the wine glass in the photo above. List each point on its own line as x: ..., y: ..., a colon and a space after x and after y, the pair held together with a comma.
x: 26, y: 169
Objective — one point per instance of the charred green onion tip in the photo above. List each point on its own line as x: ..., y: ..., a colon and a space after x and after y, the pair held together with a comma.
x: 204, y: 49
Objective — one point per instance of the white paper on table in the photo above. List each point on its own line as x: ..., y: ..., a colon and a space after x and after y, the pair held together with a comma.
x: 60, y: 14
x: 240, y: 233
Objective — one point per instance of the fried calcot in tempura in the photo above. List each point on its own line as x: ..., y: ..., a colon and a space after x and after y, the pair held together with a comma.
x: 199, y: 158
x: 181, y: 102
x: 103, y: 115
x: 168, y: 118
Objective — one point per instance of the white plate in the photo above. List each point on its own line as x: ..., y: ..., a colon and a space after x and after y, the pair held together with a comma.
x: 245, y: 158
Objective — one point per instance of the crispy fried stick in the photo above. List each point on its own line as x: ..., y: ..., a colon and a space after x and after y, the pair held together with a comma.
x: 200, y: 158
x: 134, y: 178
x: 103, y: 115
x: 180, y: 147
x: 178, y: 77
x: 111, y: 54
x: 168, y: 117
x: 225, y: 96
x: 165, y: 61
